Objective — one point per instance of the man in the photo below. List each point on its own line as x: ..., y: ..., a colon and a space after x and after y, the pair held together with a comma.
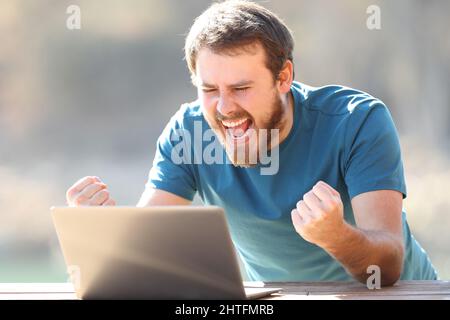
x: 333, y: 206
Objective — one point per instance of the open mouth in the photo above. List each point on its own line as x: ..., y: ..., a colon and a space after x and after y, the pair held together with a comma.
x: 237, y: 129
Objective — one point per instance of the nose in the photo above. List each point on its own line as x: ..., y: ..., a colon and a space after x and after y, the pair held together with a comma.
x: 225, y: 106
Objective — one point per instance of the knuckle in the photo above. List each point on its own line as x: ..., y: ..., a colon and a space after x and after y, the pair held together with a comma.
x: 84, y: 180
x: 103, y: 194
x: 328, y: 203
x: 80, y: 199
x: 332, y: 204
x: 98, y: 186
x: 82, y: 183
x: 309, y: 195
x: 90, y: 180
x: 94, y: 188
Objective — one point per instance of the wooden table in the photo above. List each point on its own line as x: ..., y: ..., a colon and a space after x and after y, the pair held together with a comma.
x: 402, y: 290
x: 291, y: 291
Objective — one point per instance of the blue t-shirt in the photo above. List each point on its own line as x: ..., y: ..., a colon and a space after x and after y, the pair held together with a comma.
x: 342, y: 136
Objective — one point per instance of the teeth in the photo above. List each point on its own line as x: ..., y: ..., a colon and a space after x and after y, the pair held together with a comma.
x: 232, y: 124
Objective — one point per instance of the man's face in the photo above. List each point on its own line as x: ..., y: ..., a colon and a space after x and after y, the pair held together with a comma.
x: 239, y: 98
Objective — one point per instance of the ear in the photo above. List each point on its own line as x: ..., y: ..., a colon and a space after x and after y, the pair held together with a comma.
x: 286, y: 77
x: 194, y: 80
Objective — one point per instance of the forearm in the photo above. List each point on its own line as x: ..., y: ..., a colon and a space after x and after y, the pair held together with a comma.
x: 156, y: 197
x: 356, y: 249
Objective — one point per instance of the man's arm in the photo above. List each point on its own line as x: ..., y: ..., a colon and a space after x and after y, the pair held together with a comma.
x: 377, y: 239
x: 91, y: 191
x: 156, y: 197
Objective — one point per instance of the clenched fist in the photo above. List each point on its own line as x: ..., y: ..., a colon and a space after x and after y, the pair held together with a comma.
x: 89, y: 191
x: 320, y: 215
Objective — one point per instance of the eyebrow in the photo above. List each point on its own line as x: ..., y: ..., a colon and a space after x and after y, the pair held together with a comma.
x: 242, y: 83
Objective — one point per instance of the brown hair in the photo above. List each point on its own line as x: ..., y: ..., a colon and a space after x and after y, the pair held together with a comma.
x: 234, y: 25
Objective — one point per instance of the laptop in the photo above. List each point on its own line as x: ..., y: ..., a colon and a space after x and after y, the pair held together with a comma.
x: 160, y: 252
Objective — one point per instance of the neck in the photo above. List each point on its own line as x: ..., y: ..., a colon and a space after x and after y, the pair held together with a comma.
x: 288, y: 106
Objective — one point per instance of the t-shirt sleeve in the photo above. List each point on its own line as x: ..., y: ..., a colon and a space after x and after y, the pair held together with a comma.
x: 167, y: 173
x: 373, y: 156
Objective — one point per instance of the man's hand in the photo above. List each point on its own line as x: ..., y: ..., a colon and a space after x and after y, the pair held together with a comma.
x: 319, y: 217
x: 89, y: 191
x: 376, y: 240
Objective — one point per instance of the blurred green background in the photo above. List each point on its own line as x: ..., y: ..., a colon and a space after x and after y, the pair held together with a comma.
x: 93, y: 102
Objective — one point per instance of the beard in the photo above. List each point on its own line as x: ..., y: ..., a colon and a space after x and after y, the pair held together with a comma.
x: 258, y: 139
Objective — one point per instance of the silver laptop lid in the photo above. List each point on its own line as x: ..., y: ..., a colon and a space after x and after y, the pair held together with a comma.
x: 168, y: 252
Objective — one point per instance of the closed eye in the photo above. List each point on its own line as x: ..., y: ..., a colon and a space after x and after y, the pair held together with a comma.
x: 208, y: 90
x: 242, y: 88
